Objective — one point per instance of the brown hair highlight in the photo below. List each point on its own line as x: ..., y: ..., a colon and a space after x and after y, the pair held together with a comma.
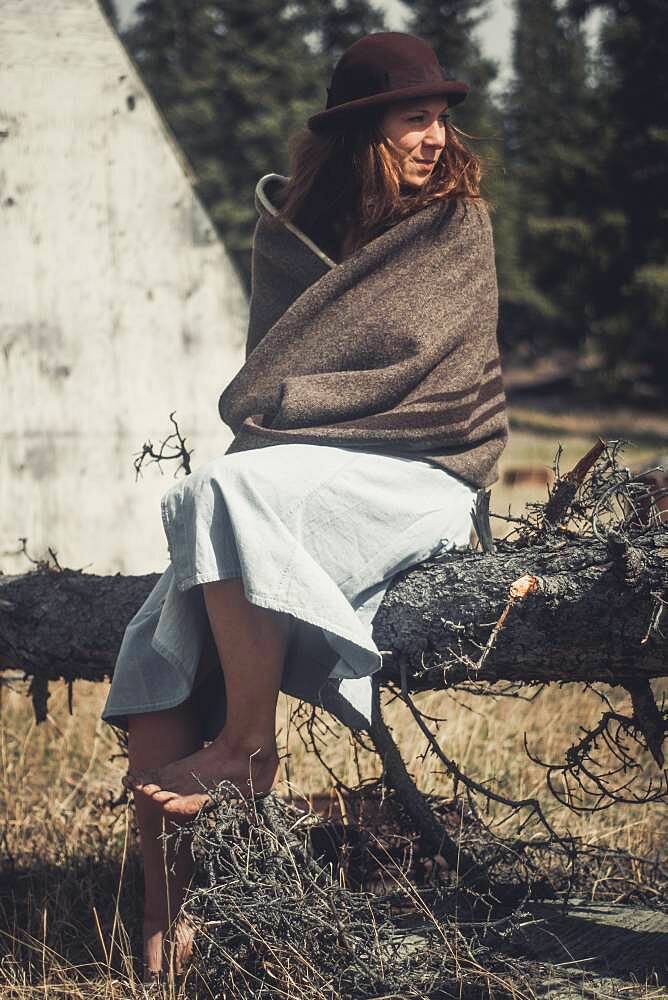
x: 345, y: 187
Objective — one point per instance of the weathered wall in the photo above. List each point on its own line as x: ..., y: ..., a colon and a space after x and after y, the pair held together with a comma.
x: 118, y: 305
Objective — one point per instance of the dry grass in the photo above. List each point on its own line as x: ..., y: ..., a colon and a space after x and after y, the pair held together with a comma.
x: 486, y: 738
x: 71, y: 883
x: 70, y: 887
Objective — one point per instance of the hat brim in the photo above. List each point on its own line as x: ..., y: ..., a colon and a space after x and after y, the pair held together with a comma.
x: 454, y: 90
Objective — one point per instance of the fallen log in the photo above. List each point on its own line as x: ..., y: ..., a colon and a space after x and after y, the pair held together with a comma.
x: 582, y: 621
x: 574, y: 593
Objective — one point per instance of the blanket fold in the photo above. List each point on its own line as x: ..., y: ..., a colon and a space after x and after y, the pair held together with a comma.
x: 393, y: 350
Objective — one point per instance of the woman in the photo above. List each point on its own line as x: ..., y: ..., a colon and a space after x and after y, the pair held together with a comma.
x: 369, y: 411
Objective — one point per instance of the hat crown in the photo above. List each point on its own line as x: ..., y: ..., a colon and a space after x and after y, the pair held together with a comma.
x: 380, y: 63
x: 379, y: 69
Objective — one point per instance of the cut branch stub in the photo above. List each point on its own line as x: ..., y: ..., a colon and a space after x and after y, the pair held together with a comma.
x: 563, y: 494
x: 516, y: 592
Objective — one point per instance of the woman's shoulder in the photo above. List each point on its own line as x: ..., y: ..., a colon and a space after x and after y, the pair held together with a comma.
x: 269, y: 228
x: 474, y: 211
x: 464, y: 219
x: 270, y: 194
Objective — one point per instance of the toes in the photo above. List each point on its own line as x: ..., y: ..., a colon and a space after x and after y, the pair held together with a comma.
x: 148, y: 782
x: 150, y: 789
x: 141, y: 779
x: 186, y: 805
x: 161, y: 795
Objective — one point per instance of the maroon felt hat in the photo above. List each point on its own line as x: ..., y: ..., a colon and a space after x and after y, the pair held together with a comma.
x: 379, y: 69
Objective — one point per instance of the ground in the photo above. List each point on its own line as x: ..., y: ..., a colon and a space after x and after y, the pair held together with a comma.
x: 70, y: 883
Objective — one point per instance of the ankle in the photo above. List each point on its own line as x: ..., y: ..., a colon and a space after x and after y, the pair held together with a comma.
x: 155, y: 923
x: 257, y: 748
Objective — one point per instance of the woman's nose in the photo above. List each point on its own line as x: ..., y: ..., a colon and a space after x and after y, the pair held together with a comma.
x: 435, y: 134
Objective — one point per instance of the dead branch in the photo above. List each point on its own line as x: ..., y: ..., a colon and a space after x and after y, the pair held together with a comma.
x: 173, y: 448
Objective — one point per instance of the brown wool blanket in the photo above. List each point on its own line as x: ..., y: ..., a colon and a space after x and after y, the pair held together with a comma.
x: 393, y: 350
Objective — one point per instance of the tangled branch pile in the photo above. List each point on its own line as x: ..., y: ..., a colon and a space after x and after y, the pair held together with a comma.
x: 274, y: 921
x: 289, y: 906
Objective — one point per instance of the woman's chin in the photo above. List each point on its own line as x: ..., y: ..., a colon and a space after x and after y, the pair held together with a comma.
x: 415, y: 181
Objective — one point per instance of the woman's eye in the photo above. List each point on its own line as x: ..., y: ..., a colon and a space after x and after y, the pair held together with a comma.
x: 419, y: 119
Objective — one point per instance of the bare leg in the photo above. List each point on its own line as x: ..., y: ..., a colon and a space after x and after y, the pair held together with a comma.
x: 154, y: 739
x: 251, y: 643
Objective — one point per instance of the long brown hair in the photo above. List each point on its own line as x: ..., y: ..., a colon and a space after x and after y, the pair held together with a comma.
x: 345, y: 188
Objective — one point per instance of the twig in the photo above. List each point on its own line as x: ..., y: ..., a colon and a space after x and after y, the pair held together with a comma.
x: 167, y: 452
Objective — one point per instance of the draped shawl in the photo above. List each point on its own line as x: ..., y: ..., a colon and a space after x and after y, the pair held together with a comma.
x: 393, y: 350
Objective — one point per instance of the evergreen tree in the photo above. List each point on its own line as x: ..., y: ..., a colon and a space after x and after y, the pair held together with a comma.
x: 267, y: 84
x: 173, y: 43
x: 233, y: 78
x: 631, y: 298
x: 339, y: 23
x: 552, y: 154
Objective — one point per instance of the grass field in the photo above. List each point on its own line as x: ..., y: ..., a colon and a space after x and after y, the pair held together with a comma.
x: 70, y: 882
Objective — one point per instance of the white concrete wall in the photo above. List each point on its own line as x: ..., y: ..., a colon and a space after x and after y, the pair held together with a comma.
x: 118, y: 303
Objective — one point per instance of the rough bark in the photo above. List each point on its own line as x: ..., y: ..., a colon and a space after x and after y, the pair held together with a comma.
x: 584, y: 620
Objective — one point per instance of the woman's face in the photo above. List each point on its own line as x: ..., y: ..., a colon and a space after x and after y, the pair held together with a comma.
x: 416, y: 128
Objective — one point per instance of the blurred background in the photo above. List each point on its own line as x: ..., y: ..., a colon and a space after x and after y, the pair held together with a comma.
x: 131, y: 138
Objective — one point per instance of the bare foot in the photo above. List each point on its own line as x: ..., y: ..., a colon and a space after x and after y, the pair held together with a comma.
x: 180, y: 787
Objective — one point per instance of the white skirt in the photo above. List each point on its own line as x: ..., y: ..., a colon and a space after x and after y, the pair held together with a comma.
x: 314, y: 531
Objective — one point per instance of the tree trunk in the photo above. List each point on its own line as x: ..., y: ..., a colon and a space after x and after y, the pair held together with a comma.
x: 585, y: 617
